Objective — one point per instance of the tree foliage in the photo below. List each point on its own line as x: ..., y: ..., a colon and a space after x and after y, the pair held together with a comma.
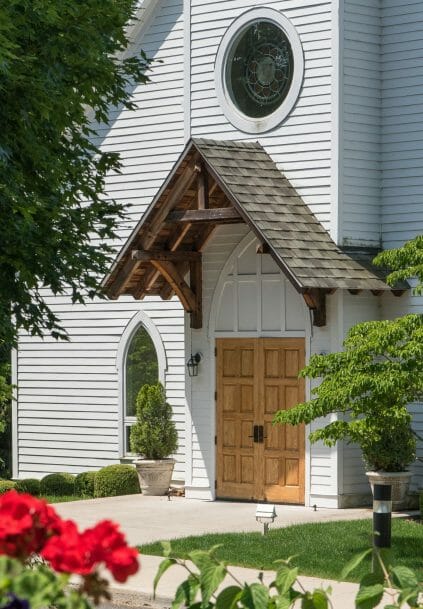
x: 371, y: 381
x: 59, y: 68
x: 142, y: 367
x: 405, y: 262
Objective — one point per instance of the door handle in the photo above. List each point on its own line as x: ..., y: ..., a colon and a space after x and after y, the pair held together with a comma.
x: 256, y: 433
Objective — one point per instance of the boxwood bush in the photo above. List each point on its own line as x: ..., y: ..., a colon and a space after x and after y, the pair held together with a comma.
x: 28, y: 485
x: 58, y: 484
x: 114, y: 480
x: 84, y: 484
x: 6, y: 485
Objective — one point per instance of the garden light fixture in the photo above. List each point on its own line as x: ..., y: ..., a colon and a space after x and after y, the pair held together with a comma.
x: 382, y: 517
x: 265, y: 514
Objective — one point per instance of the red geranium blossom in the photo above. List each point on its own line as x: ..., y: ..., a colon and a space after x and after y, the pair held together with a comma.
x: 73, y: 552
x: 25, y: 524
x: 29, y: 525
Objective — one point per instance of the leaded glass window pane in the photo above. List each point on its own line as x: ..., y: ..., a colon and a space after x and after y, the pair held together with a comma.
x: 259, y: 69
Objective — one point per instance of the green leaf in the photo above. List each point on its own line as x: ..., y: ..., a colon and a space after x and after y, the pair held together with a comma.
x: 228, y: 598
x: 354, y: 563
x: 404, y: 577
x: 163, y: 567
x: 255, y: 596
x: 318, y: 599
x: 186, y: 592
x: 211, y: 577
x: 371, y: 591
x: 285, y: 578
x: 201, y: 559
x: 167, y: 548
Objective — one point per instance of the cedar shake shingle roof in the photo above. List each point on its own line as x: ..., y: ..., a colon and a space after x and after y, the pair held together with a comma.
x: 297, y: 239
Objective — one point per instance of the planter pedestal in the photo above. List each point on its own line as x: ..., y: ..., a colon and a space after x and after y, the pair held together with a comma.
x: 400, y: 483
x: 154, y: 476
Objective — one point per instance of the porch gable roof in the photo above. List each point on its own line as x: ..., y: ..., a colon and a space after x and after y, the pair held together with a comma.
x: 217, y: 182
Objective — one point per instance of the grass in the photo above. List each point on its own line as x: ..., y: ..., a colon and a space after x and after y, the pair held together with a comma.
x: 62, y: 498
x: 320, y: 549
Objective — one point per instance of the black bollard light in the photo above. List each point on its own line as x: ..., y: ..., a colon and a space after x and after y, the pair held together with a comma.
x: 382, y: 512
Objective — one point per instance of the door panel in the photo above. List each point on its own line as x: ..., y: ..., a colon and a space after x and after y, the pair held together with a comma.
x: 256, y: 378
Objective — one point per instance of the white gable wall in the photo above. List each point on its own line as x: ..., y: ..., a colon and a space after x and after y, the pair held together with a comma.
x: 301, y: 145
x: 68, y: 416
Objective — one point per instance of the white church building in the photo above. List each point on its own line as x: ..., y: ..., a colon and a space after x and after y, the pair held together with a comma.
x: 276, y: 149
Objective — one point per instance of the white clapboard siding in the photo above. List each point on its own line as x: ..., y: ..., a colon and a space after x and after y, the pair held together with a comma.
x: 68, y: 392
x: 361, y: 115
x: 305, y: 136
x: 402, y: 151
x: 402, y: 127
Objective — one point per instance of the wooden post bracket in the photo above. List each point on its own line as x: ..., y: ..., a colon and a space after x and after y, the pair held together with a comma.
x: 315, y: 299
x: 191, y: 296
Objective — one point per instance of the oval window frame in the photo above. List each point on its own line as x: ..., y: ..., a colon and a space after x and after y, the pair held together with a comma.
x: 237, y: 118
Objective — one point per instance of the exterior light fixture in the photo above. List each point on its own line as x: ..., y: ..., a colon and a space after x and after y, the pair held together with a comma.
x: 265, y: 514
x: 192, y: 364
x: 382, y: 516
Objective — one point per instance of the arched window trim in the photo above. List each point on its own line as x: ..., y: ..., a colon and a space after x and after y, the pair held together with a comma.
x: 139, y: 319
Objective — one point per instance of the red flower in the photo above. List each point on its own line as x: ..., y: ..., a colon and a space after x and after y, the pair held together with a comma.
x: 122, y: 563
x: 74, y: 552
x: 25, y: 524
x: 29, y: 525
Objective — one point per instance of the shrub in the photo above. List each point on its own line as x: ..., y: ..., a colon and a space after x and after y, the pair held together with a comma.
x: 114, y: 480
x: 28, y: 485
x: 6, y: 485
x: 154, y: 435
x: 84, y: 484
x: 58, y: 484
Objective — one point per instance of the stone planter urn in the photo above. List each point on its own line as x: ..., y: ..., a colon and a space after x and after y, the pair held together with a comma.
x: 400, y: 483
x: 154, y: 475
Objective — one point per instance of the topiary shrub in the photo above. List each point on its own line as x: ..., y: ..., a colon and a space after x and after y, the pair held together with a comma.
x: 84, y: 484
x: 28, y: 485
x: 6, y: 485
x: 114, y: 480
x: 58, y: 484
x: 154, y: 435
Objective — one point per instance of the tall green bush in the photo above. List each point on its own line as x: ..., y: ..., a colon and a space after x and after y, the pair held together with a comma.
x: 115, y: 480
x: 154, y: 435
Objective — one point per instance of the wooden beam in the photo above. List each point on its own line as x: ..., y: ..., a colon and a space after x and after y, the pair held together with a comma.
x: 183, y: 182
x: 220, y: 215
x: 122, y: 279
x: 263, y: 248
x: 178, y: 283
x: 355, y: 292
x: 315, y: 299
x: 152, y: 276
x: 196, y: 284
x: 178, y: 256
x: 203, y: 189
x: 377, y: 292
x: 398, y: 293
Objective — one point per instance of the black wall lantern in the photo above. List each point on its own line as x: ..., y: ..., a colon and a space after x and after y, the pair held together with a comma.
x: 192, y: 364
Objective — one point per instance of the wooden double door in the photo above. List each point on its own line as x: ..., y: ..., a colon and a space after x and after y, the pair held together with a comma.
x: 257, y: 460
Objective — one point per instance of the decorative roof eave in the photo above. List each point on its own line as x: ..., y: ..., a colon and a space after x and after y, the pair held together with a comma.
x: 220, y: 182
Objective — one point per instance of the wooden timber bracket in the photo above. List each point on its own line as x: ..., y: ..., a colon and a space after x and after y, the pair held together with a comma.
x: 191, y: 296
x: 315, y: 299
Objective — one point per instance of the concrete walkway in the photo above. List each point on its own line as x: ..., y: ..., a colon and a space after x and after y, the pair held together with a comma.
x: 146, y: 519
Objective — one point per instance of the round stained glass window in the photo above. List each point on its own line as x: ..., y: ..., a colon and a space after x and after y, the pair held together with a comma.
x: 259, y: 69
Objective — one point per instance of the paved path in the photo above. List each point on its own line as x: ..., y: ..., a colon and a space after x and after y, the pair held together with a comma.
x: 146, y: 519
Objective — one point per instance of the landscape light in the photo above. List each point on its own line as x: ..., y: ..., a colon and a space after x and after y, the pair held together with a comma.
x: 265, y: 514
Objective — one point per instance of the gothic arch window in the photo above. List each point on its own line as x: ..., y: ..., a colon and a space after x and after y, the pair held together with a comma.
x: 141, y: 360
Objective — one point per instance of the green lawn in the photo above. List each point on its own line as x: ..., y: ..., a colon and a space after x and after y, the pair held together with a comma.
x: 62, y: 498
x: 321, y: 549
